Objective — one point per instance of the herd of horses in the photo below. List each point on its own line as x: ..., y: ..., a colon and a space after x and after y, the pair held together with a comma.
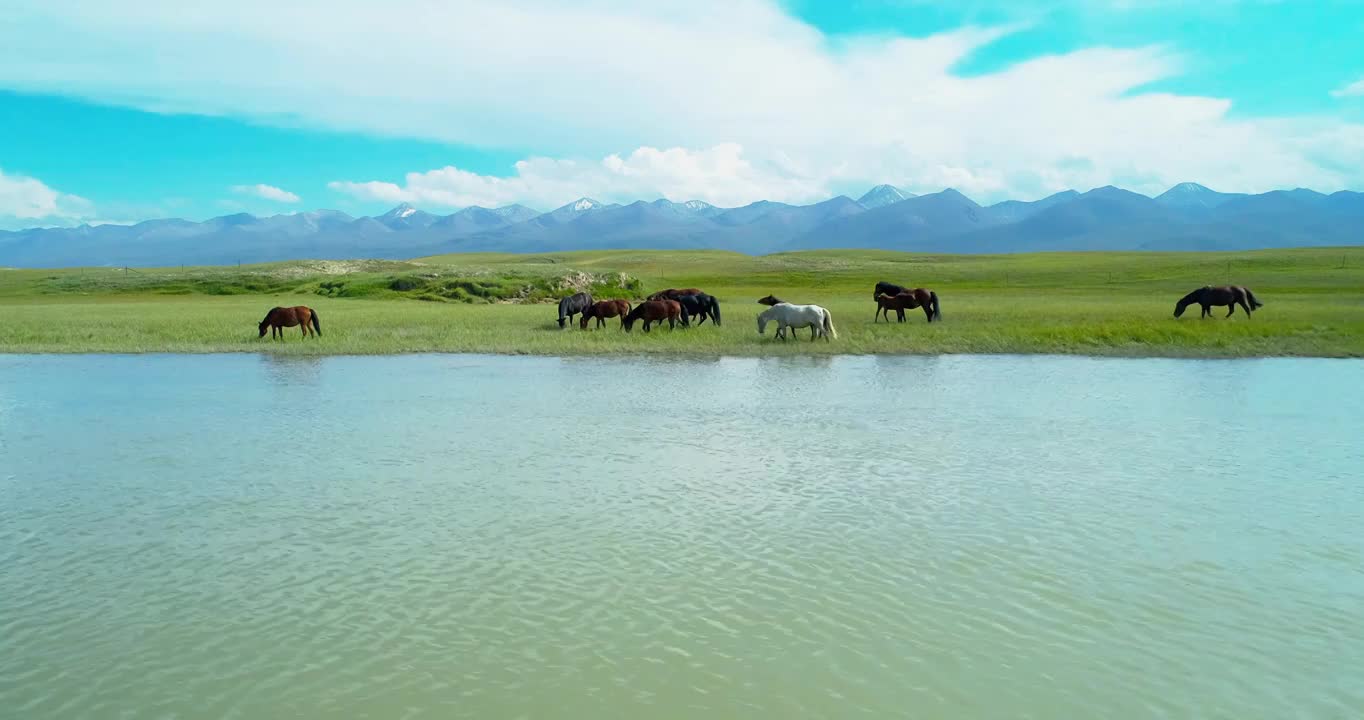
x: 674, y: 306
x: 680, y: 306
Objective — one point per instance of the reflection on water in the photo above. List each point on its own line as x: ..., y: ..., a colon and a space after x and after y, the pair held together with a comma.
x: 463, y: 536
x: 291, y: 371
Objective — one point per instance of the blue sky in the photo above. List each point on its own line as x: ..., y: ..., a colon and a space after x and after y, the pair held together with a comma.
x: 155, y: 110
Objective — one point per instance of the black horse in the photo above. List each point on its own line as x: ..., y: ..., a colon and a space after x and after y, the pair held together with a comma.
x: 1208, y: 296
x: 887, y: 288
x: 700, y: 305
x: 572, y: 305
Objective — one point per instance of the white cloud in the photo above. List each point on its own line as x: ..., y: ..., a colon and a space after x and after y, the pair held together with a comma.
x: 268, y: 192
x: 719, y: 175
x: 28, y: 202
x: 1354, y: 89
x: 577, y: 82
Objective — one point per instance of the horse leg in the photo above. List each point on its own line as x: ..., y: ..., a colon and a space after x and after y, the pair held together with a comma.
x: 928, y: 312
x: 1207, y: 311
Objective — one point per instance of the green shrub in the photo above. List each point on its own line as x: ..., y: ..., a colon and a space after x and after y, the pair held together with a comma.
x: 407, y: 284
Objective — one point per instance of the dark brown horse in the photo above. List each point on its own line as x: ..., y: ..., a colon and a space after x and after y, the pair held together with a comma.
x: 655, y: 311
x: 281, y: 317
x: 572, y: 305
x: 603, y: 309
x: 674, y: 293
x: 888, y: 288
x: 1208, y: 296
x: 908, y: 300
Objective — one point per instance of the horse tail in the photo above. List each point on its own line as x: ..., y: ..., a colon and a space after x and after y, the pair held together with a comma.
x: 937, y: 308
x: 715, y: 309
x: 829, y: 325
x: 1251, y: 297
x: 317, y: 324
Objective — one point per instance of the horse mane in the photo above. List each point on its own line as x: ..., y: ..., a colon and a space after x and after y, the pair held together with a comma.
x: 1193, y: 296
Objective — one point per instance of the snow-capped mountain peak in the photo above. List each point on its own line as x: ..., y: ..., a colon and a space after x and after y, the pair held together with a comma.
x: 1192, y: 195
x: 403, y: 210
x: 883, y: 195
x: 584, y: 204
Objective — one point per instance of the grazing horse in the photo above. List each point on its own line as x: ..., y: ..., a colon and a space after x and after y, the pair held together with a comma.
x: 700, y: 304
x: 572, y: 305
x: 770, y: 300
x: 1208, y: 296
x: 674, y: 293
x: 908, y: 300
x: 819, y: 320
x: 605, y: 309
x: 281, y: 317
x: 656, y: 311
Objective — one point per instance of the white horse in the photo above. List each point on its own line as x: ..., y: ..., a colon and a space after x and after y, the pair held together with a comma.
x: 819, y: 320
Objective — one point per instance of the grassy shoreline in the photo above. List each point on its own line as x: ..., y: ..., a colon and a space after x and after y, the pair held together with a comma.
x: 1100, y: 304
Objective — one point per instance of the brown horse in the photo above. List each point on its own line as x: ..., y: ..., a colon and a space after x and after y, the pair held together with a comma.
x: 1208, y: 296
x: 605, y: 309
x: 908, y: 300
x: 281, y: 317
x: 673, y: 293
x: 655, y: 311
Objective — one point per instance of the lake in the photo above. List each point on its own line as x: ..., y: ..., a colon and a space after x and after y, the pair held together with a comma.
x: 450, y: 536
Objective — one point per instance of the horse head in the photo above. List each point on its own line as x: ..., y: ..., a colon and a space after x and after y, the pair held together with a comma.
x: 1187, y: 300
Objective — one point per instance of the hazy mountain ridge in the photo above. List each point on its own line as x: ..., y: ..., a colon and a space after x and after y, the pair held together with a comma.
x: 1186, y: 217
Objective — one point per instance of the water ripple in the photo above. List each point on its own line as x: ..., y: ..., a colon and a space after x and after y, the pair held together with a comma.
x: 481, y: 541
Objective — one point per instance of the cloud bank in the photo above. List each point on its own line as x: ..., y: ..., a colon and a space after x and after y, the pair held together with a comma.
x: 28, y: 202
x: 720, y: 175
x: 745, y: 100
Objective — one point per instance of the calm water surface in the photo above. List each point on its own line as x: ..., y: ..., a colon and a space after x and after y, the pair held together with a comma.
x: 487, y: 537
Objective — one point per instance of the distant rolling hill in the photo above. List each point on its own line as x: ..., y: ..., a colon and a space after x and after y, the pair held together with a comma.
x: 1186, y: 217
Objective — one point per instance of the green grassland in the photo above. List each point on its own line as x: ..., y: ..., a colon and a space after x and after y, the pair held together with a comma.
x: 1078, y: 303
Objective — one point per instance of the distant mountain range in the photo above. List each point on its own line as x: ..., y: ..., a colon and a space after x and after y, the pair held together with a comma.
x: 1186, y: 217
